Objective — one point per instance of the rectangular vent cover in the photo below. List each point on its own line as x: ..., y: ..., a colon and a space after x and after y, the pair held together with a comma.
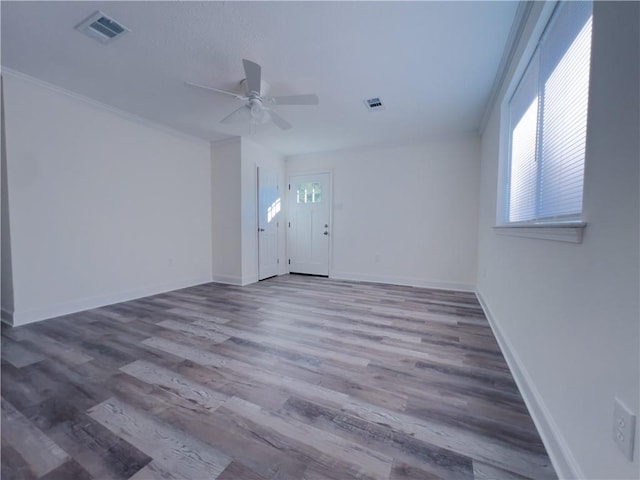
x: 102, y: 28
x: 374, y: 104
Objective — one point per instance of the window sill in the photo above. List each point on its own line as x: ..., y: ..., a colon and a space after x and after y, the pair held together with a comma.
x: 561, y: 232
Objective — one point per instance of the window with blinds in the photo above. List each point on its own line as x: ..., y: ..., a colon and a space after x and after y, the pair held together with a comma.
x: 548, y: 123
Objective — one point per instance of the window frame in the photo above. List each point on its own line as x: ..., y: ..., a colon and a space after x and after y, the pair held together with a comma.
x: 561, y: 228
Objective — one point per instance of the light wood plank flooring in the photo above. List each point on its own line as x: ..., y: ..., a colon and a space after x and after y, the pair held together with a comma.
x: 291, y: 378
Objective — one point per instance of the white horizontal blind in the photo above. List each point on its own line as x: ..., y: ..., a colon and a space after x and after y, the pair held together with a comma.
x: 565, y: 59
x: 548, y: 122
x: 523, y: 118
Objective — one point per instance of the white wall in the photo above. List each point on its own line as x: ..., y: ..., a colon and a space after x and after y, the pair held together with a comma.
x: 403, y: 214
x: 226, y: 211
x: 103, y: 208
x: 568, y: 314
x: 234, y: 199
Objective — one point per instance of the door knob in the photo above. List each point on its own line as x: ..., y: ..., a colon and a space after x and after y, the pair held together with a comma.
x: 326, y: 225
x: 326, y: 233
x: 261, y: 229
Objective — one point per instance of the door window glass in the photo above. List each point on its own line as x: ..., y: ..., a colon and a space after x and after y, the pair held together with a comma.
x: 309, y: 192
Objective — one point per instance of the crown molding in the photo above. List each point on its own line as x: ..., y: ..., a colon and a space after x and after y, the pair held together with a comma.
x: 5, y: 71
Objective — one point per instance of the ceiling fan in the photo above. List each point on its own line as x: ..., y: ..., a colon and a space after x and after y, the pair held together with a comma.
x: 256, y: 110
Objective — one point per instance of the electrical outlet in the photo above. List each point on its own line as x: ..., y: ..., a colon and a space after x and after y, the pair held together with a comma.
x: 624, y: 428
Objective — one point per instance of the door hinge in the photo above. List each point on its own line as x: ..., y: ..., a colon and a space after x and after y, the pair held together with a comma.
x: 278, y: 261
x: 277, y: 224
x: 289, y: 186
x: 289, y: 224
x: 289, y: 261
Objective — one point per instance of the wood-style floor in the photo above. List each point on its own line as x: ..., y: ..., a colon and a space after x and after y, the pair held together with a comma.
x: 291, y: 378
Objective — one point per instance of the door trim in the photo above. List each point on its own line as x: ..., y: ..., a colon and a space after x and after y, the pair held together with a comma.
x: 288, y: 193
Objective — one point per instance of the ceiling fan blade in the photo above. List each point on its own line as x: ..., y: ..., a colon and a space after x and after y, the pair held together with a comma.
x: 279, y: 121
x: 240, y: 115
x: 239, y: 97
x: 253, y: 73
x: 311, y: 99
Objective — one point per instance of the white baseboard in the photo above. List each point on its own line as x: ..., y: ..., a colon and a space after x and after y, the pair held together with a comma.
x: 408, y: 281
x: 561, y: 457
x: 23, y: 317
x: 227, y: 279
x: 233, y: 280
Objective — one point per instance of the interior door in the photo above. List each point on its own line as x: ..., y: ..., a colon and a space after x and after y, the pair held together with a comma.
x: 269, y: 206
x: 309, y: 201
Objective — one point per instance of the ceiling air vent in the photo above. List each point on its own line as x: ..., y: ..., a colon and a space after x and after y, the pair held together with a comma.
x: 374, y: 104
x: 102, y: 28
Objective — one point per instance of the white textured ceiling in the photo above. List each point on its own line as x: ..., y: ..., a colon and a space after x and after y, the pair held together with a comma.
x: 432, y: 63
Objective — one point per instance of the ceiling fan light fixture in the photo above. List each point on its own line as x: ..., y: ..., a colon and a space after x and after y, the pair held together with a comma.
x: 262, y: 116
x: 259, y: 114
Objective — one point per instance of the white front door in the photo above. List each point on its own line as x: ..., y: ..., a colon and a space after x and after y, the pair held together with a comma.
x: 309, y: 201
x: 269, y: 206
